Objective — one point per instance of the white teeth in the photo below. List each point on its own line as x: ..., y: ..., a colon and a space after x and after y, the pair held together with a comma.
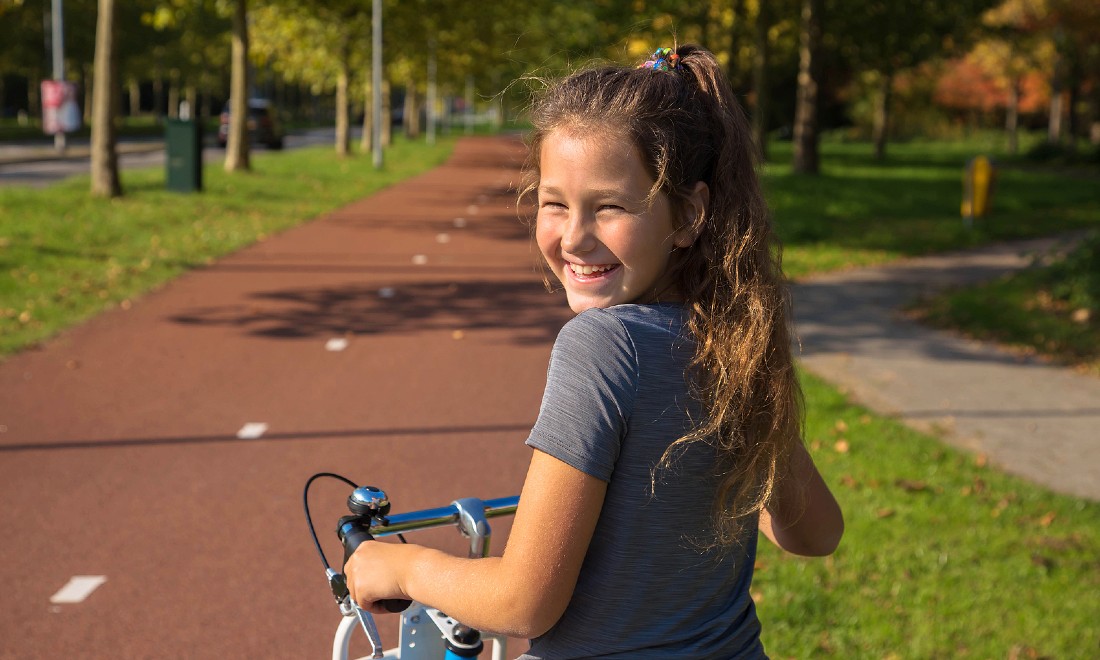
x: 588, y: 270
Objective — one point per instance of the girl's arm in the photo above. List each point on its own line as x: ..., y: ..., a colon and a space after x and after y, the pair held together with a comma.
x: 803, y: 517
x: 522, y: 593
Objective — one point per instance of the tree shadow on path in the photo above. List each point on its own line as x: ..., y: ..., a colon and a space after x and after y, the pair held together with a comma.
x: 524, y: 308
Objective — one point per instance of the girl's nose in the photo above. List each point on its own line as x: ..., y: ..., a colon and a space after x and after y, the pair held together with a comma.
x: 576, y: 235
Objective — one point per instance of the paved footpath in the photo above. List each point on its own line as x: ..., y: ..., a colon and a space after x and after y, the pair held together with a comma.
x: 1039, y: 421
x: 401, y: 340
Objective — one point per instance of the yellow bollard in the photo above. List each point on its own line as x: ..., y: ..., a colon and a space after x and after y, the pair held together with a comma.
x: 977, y: 189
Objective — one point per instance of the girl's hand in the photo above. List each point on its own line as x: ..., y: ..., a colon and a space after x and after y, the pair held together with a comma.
x: 374, y: 574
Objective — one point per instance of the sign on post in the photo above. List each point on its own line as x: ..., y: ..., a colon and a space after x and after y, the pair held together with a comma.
x: 60, y: 111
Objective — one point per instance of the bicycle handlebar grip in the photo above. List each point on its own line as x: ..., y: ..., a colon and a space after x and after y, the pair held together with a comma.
x: 353, y: 532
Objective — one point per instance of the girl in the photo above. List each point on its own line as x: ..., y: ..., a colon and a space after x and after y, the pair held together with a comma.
x: 669, y: 431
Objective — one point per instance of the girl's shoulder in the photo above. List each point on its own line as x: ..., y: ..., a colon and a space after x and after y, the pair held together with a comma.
x: 624, y: 332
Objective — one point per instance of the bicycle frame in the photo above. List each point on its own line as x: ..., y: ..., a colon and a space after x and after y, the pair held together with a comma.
x: 424, y: 629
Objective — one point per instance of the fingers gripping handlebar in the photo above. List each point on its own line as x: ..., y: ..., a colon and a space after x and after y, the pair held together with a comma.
x: 352, y: 531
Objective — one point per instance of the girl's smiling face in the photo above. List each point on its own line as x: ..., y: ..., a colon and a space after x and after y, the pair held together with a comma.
x: 596, y: 229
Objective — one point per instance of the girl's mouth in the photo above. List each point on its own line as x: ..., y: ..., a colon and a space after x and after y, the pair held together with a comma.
x: 590, y: 272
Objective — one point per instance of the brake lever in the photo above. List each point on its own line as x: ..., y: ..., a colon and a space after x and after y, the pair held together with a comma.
x: 367, y: 622
x: 339, y: 588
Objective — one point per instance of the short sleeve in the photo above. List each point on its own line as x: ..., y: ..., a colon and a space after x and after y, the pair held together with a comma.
x: 591, y: 385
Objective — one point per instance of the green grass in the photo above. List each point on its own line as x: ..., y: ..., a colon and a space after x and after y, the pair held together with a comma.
x: 1051, y: 310
x: 858, y: 212
x: 65, y: 256
x: 943, y: 556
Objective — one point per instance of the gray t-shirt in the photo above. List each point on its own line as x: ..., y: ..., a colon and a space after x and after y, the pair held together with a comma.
x: 616, y: 397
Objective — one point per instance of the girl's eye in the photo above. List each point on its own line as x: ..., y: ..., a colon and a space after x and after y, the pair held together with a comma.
x: 553, y: 205
x: 610, y: 207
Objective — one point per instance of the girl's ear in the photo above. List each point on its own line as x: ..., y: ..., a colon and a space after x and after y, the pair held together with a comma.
x: 695, y: 210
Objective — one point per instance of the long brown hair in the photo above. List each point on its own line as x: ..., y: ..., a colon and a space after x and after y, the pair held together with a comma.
x: 688, y: 127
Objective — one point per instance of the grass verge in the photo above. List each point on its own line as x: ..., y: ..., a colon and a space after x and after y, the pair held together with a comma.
x: 943, y: 556
x: 65, y: 256
x: 1051, y: 310
x: 859, y: 212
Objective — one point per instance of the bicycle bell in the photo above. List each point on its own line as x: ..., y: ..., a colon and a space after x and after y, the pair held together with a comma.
x: 368, y: 501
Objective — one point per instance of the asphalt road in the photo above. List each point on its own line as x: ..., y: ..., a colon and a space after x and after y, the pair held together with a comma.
x: 37, y: 172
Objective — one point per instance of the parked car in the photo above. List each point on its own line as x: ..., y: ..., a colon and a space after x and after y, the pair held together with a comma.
x: 264, y: 126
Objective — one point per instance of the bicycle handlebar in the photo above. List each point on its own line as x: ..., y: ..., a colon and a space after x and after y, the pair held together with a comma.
x: 443, y: 516
x: 370, y: 508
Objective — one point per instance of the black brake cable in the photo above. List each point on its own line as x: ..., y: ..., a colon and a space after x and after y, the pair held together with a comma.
x: 309, y: 519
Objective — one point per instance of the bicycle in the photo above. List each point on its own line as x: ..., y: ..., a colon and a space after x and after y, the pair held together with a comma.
x: 370, y: 519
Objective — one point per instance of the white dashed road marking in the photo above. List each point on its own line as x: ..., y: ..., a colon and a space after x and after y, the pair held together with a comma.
x: 443, y: 238
x: 252, y: 430
x: 336, y: 344
x: 78, y: 588
x: 420, y: 259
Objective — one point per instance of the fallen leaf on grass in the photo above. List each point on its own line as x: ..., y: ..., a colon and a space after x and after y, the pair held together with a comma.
x: 885, y: 513
x: 849, y: 481
x: 981, y: 460
x: 841, y: 446
x: 1047, y: 518
x: 910, y: 486
x: 841, y: 426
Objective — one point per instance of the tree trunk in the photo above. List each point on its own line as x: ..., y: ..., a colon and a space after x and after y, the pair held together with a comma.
x: 343, y: 122
x: 1012, y: 115
x: 135, y: 97
x: 881, y: 128
x: 236, y: 148
x: 1073, y: 88
x: 412, y: 112
x: 34, y: 92
x: 760, y: 80
x: 159, y: 102
x: 365, y: 141
x: 387, y: 115
x: 105, y: 180
x: 809, y: 66
x: 174, y: 95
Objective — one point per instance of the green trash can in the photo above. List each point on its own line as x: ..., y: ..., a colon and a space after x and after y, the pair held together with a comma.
x: 183, y: 142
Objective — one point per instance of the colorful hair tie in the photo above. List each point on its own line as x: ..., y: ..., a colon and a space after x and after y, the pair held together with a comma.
x: 663, y: 59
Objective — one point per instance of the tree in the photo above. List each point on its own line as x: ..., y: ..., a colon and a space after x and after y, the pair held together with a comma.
x: 809, y: 81
x: 236, y: 148
x: 882, y: 38
x: 105, y: 179
x: 317, y: 43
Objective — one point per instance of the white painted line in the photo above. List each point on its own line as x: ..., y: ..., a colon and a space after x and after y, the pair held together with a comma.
x: 78, y: 588
x: 336, y: 344
x: 386, y: 292
x: 252, y: 430
x: 443, y: 238
x: 420, y: 259
x: 471, y: 209
x: 460, y: 222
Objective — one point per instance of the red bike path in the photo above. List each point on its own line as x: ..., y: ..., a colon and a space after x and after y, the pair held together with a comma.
x: 120, y: 453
